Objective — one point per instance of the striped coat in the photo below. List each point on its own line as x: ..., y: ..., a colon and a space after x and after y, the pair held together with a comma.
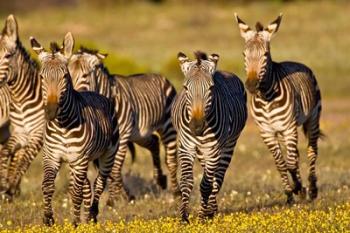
x: 209, y: 114
x: 284, y: 96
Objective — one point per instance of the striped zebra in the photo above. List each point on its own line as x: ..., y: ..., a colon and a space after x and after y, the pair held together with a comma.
x: 26, y: 111
x: 284, y: 96
x: 209, y: 114
x: 144, y: 102
x: 4, y: 101
x: 80, y: 127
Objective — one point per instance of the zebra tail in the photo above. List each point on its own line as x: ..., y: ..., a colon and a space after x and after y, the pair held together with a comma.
x: 321, y: 135
x: 132, y: 150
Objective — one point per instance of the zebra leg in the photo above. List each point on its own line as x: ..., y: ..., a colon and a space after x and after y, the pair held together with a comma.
x: 7, y: 151
x: 186, y: 161
x: 105, y: 164
x: 87, y: 195
x: 116, y: 185
x: 78, y: 176
x: 21, y: 162
x: 273, y: 145
x: 51, y: 168
x: 152, y: 144
x: 313, y: 133
x: 291, y: 141
x: 168, y: 138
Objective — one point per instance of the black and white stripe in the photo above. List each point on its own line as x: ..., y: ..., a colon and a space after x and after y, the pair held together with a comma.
x: 80, y: 127
x: 284, y: 96
x: 209, y: 114
x: 26, y: 111
x: 5, y: 99
x: 144, y: 106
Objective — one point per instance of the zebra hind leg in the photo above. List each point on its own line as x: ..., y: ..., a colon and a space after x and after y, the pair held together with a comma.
x: 116, y: 187
x: 152, y: 144
x: 168, y: 137
x: 313, y: 133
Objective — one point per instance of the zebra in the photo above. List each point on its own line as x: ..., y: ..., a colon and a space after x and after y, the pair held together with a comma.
x: 26, y: 110
x: 144, y: 102
x: 209, y: 114
x: 284, y: 96
x: 4, y: 101
x: 80, y: 127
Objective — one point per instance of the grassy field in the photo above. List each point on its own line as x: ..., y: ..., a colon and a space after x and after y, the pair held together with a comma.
x: 145, y: 37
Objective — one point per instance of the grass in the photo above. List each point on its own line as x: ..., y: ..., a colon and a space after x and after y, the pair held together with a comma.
x: 146, y: 37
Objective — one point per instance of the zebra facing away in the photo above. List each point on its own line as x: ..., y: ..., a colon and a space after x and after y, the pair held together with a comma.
x: 80, y: 127
x: 144, y: 107
x: 26, y: 112
x: 284, y: 96
x: 209, y: 114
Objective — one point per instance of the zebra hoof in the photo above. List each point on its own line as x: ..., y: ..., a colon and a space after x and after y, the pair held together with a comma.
x: 313, y: 192
x: 162, y: 181
x: 290, y: 198
x: 93, y: 212
x: 48, y: 220
x: 184, y: 220
x: 302, y: 193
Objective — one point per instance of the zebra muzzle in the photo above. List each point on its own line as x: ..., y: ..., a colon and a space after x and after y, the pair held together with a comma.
x: 252, y: 85
x: 197, y: 126
x: 51, y: 110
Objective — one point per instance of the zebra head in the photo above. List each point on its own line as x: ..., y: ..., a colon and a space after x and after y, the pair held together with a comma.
x: 257, y: 57
x: 8, y: 47
x: 82, y: 66
x: 198, y: 86
x: 56, y: 80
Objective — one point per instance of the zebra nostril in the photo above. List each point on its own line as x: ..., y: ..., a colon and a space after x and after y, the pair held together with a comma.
x: 252, y: 85
x: 197, y: 126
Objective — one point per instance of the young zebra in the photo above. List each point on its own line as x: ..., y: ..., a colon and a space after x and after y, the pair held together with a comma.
x: 284, y: 96
x: 209, y: 114
x: 144, y: 107
x: 80, y: 127
x: 26, y: 112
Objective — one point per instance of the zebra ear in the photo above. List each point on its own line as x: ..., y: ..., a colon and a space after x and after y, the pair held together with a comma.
x: 245, y: 30
x: 101, y: 56
x: 11, y: 28
x: 184, y: 62
x: 68, y: 45
x: 214, y: 58
x: 36, y: 46
x: 272, y: 28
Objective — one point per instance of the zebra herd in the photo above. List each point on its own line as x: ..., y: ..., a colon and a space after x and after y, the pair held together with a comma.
x: 73, y: 110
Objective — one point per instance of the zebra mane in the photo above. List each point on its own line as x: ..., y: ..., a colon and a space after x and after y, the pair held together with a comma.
x: 88, y: 50
x: 26, y: 55
x: 54, y: 47
x: 200, y: 56
x: 259, y: 27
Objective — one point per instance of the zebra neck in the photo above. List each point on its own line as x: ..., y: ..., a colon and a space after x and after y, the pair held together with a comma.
x: 269, y: 88
x: 24, y: 80
x: 103, y: 81
x: 69, y: 108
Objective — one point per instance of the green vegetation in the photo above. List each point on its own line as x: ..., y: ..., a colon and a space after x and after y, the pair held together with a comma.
x: 143, y: 37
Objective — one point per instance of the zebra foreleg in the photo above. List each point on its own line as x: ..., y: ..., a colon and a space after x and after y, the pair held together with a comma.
x: 48, y: 188
x: 291, y: 141
x: 186, y: 182
x: 87, y: 195
x: 78, y: 176
x: 152, y: 144
x: 105, y: 164
x: 7, y: 151
x: 275, y: 149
